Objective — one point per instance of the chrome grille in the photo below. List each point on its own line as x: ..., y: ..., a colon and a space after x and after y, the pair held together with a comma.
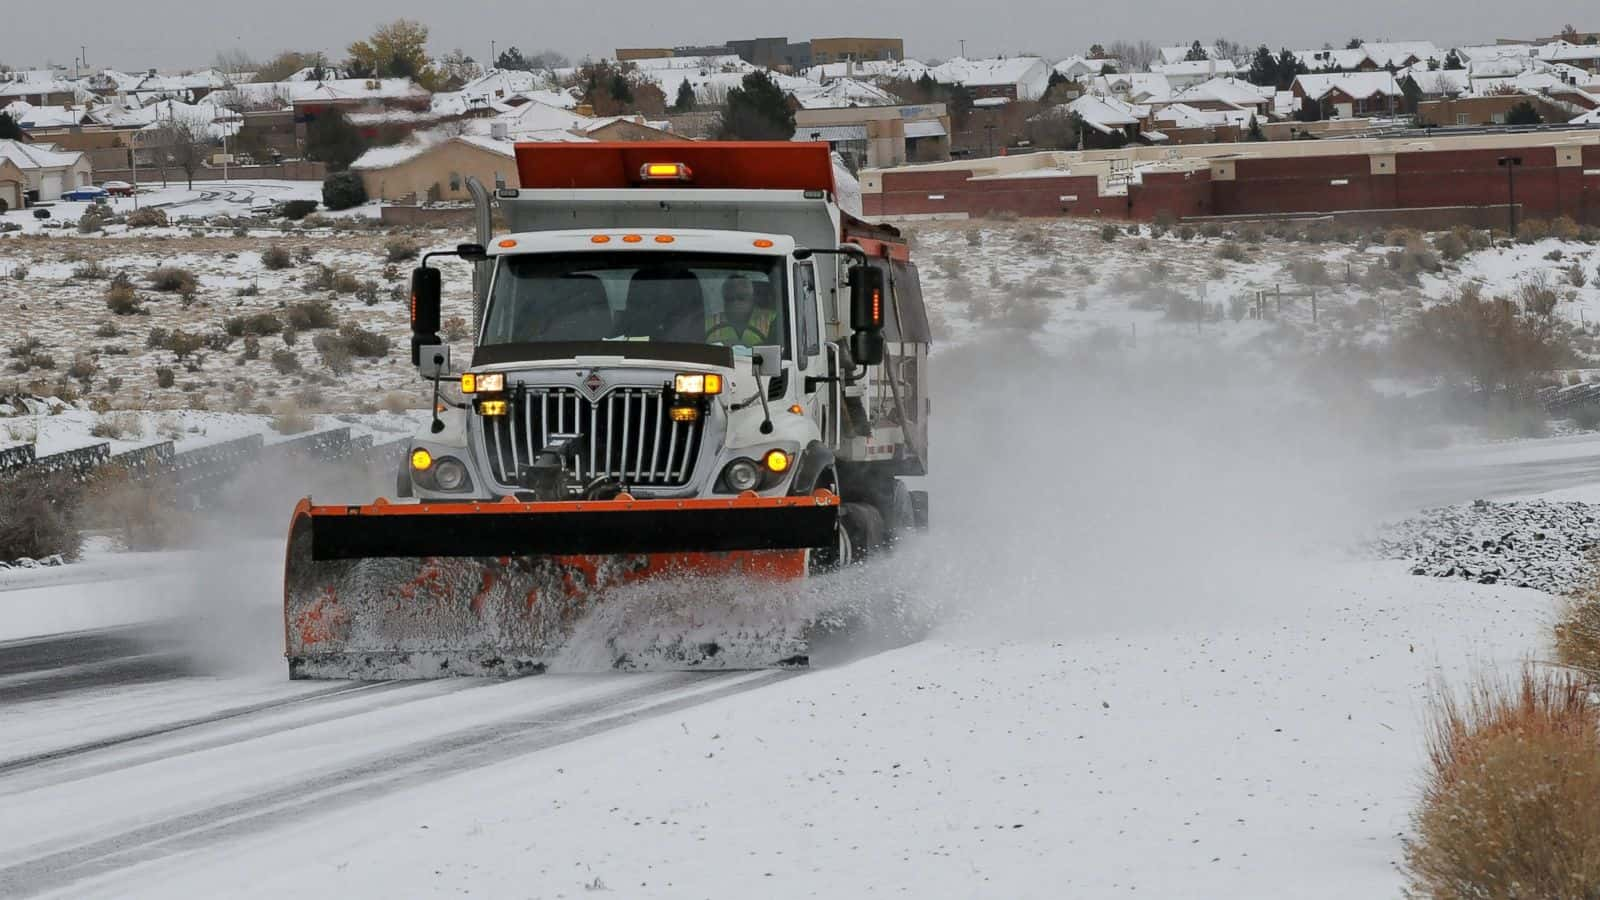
x: 625, y: 435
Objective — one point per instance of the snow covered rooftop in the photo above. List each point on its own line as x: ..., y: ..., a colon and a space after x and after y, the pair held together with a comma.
x: 843, y: 92
x: 30, y: 117
x: 1359, y: 85
x: 1107, y: 113
x: 1317, y: 60
x: 1401, y: 53
x: 1139, y: 87
x: 29, y: 157
x: 870, y: 69
x: 1225, y: 90
x: 1192, y: 68
x: 284, y: 93
x: 1441, y: 82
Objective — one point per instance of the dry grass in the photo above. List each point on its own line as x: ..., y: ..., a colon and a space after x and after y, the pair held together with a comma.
x: 1578, y: 634
x: 1511, y: 801
x: 289, y: 419
x: 41, y: 517
x: 143, y: 514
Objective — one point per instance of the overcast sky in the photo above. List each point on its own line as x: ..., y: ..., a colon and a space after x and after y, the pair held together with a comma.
x: 182, y: 33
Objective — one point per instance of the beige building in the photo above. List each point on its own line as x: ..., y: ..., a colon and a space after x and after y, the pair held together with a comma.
x: 47, y: 172
x: 827, y: 50
x: 879, y: 136
x: 417, y: 174
x: 12, y: 184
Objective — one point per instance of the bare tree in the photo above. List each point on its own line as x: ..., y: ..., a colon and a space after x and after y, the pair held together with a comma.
x: 181, y: 144
x: 1135, y: 57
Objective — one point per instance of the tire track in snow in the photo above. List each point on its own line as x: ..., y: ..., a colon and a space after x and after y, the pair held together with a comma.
x: 374, y: 776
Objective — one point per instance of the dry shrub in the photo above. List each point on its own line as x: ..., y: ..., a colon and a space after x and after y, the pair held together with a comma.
x: 118, y: 426
x: 255, y: 324
x: 143, y: 513
x: 284, y: 362
x: 173, y: 280
x: 165, y: 377
x: 1578, y: 634
x: 1511, y: 798
x: 1576, y: 276
x: 309, y: 314
x: 40, y: 516
x: 1230, y: 251
x: 1450, y: 245
x: 121, y: 299
x: 1108, y: 232
x: 275, y: 257
x: 288, y: 419
x: 90, y: 271
x: 1309, y: 271
x: 396, y: 402
x: 148, y: 217
x: 1565, y: 228
x: 400, y: 249
x: 1532, y: 230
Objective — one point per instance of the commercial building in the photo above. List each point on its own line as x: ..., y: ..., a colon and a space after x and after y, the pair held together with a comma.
x: 879, y: 136
x: 839, y: 49
x: 1433, y: 181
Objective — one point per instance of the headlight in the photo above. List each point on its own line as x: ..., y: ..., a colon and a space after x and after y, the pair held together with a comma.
x: 694, y: 384
x: 483, y: 383
x: 777, y: 461
x: 491, y: 407
x: 742, y: 475
x: 449, y: 474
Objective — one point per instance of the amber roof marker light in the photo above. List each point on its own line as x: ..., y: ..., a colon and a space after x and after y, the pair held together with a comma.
x: 665, y: 171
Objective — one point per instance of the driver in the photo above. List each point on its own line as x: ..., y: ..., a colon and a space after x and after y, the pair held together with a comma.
x: 740, y: 322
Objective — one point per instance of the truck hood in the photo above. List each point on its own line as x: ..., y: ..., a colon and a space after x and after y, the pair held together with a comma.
x: 704, y: 355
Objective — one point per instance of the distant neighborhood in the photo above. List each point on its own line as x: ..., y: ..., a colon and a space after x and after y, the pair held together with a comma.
x: 413, y: 126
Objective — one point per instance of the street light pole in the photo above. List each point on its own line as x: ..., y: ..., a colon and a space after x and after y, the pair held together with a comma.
x: 1510, y: 164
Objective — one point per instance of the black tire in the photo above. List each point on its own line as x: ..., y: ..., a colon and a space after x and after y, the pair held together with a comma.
x: 898, y: 513
x: 864, y: 525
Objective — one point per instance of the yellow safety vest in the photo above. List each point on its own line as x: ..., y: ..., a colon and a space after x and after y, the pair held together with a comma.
x: 758, y: 329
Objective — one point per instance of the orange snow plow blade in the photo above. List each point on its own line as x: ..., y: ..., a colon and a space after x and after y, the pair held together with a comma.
x: 415, y: 590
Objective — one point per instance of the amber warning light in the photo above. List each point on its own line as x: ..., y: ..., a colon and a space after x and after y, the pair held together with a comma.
x: 658, y: 171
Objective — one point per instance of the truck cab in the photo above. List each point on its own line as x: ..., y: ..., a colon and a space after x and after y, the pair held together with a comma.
x: 680, y: 321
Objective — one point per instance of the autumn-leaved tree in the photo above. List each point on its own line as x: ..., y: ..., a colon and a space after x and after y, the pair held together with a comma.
x: 757, y: 110
x: 396, y: 50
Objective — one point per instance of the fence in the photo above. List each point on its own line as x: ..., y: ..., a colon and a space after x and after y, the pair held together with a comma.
x: 197, y: 477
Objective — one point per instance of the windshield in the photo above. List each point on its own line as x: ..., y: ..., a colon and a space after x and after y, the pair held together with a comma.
x: 700, y: 298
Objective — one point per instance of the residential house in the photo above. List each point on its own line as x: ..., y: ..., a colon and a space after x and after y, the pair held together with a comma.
x: 1350, y: 94
x: 36, y: 89
x: 13, y: 185
x: 1007, y: 78
x: 1584, y: 56
x: 1183, y: 74
x: 1392, y: 55
x: 1111, y: 122
x: 1083, y: 68
x: 1228, y: 94
x: 843, y: 92
x: 48, y: 172
x: 1180, y: 53
x: 1134, y: 87
x: 1335, y: 60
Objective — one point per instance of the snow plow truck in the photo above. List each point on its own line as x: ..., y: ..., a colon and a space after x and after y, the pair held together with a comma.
x: 691, y: 373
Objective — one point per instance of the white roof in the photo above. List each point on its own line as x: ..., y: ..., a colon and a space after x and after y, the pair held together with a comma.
x: 1226, y: 90
x: 25, y: 88
x: 831, y: 133
x: 1497, y: 51
x: 422, y: 141
x: 202, y: 118
x: 1359, y: 85
x: 1398, y: 53
x: 1029, y: 73
x: 1140, y: 87
x: 1561, y: 51
x: 728, y: 61
x: 1497, y: 67
x: 1196, y: 67
x: 1107, y: 113
x: 923, y: 128
x: 1180, y: 52
x: 1182, y: 115
x: 843, y: 92
x: 284, y: 93
x: 536, y: 116
x: 1441, y: 81
x: 711, y: 84
x: 29, y: 116
x: 868, y: 70
x: 37, y: 156
x: 1316, y: 60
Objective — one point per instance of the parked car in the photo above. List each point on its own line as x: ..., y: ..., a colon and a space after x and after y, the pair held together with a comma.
x: 117, y: 188
x: 87, y: 192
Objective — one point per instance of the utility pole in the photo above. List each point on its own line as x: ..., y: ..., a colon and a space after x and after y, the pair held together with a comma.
x: 963, y: 48
x: 492, y: 57
x: 1510, y: 163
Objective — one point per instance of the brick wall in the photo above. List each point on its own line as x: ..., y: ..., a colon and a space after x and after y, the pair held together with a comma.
x: 1310, y: 184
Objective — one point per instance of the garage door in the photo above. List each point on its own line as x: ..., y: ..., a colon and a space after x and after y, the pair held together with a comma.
x: 50, y: 188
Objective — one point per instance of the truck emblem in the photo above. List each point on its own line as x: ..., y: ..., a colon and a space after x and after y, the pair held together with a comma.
x: 593, y: 384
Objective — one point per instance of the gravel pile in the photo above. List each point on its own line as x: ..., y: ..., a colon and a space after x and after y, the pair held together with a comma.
x: 1535, y: 544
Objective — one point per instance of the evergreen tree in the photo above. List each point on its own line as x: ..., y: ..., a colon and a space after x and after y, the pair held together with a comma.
x: 757, y: 110
x: 1289, y: 66
x: 1452, y: 60
x: 1196, y: 53
x: 685, y: 99
x: 332, y: 140
x: 512, y: 59
x: 1263, y: 68
x: 1353, y: 44
x: 1255, y: 131
x: 9, y: 129
x: 1097, y: 51
x: 1523, y: 114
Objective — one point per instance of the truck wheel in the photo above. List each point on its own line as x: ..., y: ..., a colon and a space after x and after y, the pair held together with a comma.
x: 864, y: 526
x: 898, y: 512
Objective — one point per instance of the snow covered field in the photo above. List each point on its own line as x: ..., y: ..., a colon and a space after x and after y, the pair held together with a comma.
x: 1159, y: 663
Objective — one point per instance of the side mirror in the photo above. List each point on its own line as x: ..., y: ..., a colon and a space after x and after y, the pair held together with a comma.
x: 425, y: 288
x: 866, y: 348
x: 769, y: 361
x: 472, y: 252
x: 866, y: 298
